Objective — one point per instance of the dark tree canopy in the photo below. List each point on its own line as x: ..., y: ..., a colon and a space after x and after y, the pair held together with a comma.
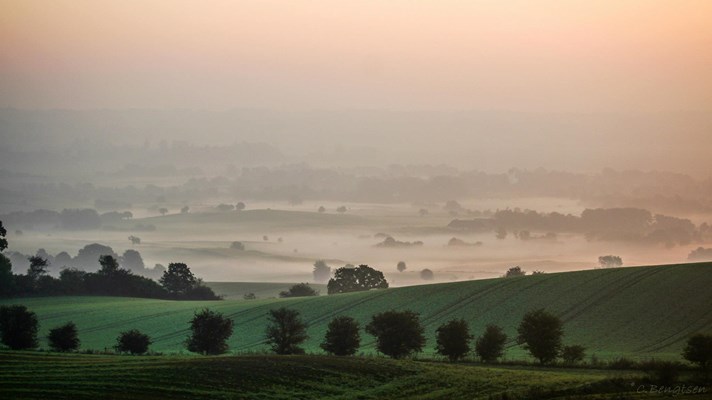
x: 322, y: 272
x: 342, y: 337
x: 357, y: 279
x: 299, y: 290
x: 109, y: 265
x: 286, y: 331
x: 699, y: 350
x: 540, y: 332
x: 610, y: 261
x: 18, y: 327
x: 133, y: 342
x: 3, y: 240
x: 453, y: 339
x: 573, y: 354
x: 38, y: 267
x: 490, y: 346
x: 178, y: 279
x: 209, y: 333
x: 426, y: 274
x: 398, y: 333
x: 132, y: 260
x: 514, y: 272
x: 64, y: 338
x: 401, y: 266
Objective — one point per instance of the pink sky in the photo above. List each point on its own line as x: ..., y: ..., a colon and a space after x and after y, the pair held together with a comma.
x: 581, y: 56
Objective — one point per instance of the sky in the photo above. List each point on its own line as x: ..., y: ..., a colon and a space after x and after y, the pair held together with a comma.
x: 613, y: 56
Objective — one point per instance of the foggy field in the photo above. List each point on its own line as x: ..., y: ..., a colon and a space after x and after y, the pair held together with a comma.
x: 640, y: 313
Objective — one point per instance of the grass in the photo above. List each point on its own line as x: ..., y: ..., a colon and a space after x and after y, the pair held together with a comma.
x: 37, y: 375
x: 638, y: 313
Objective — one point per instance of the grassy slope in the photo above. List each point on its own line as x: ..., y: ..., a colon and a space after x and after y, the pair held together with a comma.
x: 38, y: 375
x: 637, y: 312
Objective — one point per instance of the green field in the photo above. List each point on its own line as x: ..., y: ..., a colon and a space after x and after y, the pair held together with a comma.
x: 28, y: 375
x: 638, y: 312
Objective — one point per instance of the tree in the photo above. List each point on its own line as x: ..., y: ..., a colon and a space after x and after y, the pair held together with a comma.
x: 423, y: 212
x: 225, y: 207
x: 699, y: 351
x: 240, y: 206
x: 109, y: 265
x: 426, y: 275
x: 237, y: 246
x: 490, y: 346
x: 398, y: 333
x: 321, y: 209
x: 501, y: 233
x: 163, y: 210
x: 401, y: 266
x: 178, y: 279
x: 342, y: 337
x: 357, y: 279
x: 7, y: 278
x: 3, y: 239
x: 610, y: 261
x: 322, y: 272
x: 341, y: 209
x: 514, y: 272
x: 185, y: 210
x: 18, y: 327
x: 38, y: 267
x: 453, y: 339
x: 209, y: 333
x: 299, y: 290
x: 249, y: 296
x: 135, y: 240
x: 286, y: 331
x: 132, y: 260
x: 64, y: 338
x: 573, y: 354
x: 133, y: 342
x: 540, y: 332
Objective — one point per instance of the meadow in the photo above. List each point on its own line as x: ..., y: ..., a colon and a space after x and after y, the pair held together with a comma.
x: 639, y: 313
x: 36, y: 375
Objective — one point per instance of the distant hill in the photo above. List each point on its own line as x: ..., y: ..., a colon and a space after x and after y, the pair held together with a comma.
x: 638, y: 312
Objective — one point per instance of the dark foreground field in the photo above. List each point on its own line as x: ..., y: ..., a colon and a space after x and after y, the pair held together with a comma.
x: 37, y: 375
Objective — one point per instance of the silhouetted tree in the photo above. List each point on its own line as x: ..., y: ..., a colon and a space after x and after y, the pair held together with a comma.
x: 501, y: 233
x: 322, y: 272
x: 18, y: 327
x: 249, y: 296
x: 178, y: 280
x: 7, y: 278
x: 240, y: 206
x: 610, y: 261
x: 163, y: 210
x: 132, y: 260
x: 426, y: 275
x: 185, y: 210
x: 3, y: 239
x: 64, y: 338
x: 514, y: 272
x: 401, y: 266
x: 698, y: 350
x: 321, y: 209
x: 133, y: 342
x: 341, y: 209
x: 453, y: 339
x: 109, y: 265
x: 490, y: 346
x: 356, y: 279
x: 209, y: 333
x: 38, y: 267
x: 299, y: 290
x: 89, y: 254
x: 573, y: 354
x: 286, y: 331
x: 342, y: 337
x: 265, y: 238
x: 237, y: 246
x: 398, y: 333
x: 423, y: 212
x: 540, y: 332
x: 135, y: 240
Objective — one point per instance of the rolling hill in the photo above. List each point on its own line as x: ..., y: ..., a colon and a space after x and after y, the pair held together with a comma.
x: 637, y: 312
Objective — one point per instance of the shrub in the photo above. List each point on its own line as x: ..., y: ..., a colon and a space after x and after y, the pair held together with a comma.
x: 299, y: 290
x: 286, y: 331
x: 209, y: 333
x: 342, y: 337
x: 398, y: 333
x: 133, y: 342
x: 453, y: 339
x: 64, y: 338
x: 490, y: 346
x: 18, y: 327
x: 573, y: 354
